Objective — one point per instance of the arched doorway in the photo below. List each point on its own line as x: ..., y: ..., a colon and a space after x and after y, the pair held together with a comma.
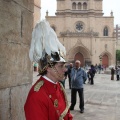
x: 105, y: 60
x: 80, y: 57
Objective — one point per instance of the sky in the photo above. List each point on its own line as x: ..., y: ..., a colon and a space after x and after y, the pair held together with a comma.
x: 108, y: 6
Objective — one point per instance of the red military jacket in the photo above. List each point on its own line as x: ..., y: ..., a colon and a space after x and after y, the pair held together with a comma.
x: 46, y: 101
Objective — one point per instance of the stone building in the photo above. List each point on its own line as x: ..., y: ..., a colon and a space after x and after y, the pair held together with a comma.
x: 37, y: 13
x: 84, y: 31
x: 16, y: 70
x: 117, y: 34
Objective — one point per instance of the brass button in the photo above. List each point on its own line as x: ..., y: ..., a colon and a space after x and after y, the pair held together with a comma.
x: 50, y: 96
x: 55, y: 103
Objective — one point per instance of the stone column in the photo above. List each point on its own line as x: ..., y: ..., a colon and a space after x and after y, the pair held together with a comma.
x: 16, y: 71
x: 37, y: 11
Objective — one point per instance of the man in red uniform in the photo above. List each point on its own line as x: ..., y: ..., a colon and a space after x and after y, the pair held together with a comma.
x: 47, y: 99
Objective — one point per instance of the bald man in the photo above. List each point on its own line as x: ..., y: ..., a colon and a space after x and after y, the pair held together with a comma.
x: 78, y: 75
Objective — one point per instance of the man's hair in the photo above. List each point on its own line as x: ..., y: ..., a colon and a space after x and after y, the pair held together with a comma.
x: 77, y: 61
x: 52, y: 64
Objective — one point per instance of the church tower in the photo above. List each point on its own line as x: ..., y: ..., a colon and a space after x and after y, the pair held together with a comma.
x: 84, y: 31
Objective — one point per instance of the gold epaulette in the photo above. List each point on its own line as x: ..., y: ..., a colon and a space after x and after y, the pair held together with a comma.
x: 38, y: 86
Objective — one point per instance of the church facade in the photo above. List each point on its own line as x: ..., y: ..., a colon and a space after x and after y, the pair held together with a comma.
x: 86, y: 34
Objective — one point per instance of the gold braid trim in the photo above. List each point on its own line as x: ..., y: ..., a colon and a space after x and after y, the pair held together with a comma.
x: 44, y: 69
x: 67, y: 105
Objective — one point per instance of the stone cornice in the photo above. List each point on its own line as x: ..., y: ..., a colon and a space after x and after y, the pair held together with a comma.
x: 78, y: 0
x: 81, y: 34
x: 79, y: 13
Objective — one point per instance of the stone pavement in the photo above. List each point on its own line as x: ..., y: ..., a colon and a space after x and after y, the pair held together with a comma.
x: 102, y: 100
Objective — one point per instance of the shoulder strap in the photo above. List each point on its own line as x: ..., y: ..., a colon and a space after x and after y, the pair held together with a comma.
x: 38, y: 86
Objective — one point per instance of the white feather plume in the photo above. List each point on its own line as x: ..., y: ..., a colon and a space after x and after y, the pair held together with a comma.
x: 44, y: 40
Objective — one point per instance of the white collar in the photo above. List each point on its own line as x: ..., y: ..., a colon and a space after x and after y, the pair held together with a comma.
x: 48, y: 79
x: 77, y: 69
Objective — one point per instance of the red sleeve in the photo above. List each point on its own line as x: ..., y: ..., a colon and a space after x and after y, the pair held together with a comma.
x: 35, y: 108
x: 70, y: 116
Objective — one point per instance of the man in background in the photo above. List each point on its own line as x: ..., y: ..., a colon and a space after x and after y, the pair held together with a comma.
x: 69, y: 72
x: 78, y: 76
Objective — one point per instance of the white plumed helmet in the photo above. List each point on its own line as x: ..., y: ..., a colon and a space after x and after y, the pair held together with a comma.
x: 45, y: 46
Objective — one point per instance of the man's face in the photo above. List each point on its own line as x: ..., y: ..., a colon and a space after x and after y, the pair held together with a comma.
x: 56, y: 73
x: 77, y: 64
x: 71, y: 65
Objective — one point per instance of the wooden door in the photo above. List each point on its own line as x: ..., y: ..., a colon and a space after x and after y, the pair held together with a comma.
x: 80, y: 57
x: 105, y: 60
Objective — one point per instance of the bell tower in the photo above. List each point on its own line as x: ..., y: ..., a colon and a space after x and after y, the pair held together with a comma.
x: 81, y: 7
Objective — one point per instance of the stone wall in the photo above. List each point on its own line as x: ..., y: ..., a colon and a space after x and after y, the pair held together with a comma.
x: 16, y: 24
x: 118, y: 45
x: 37, y: 9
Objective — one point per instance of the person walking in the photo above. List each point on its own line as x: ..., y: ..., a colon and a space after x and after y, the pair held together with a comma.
x: 117, y: 73
x: 64, y: 79
x: 69, y: 72
x: 78, y: 76
x: 99, y: 68
x: 47, y: 99
x: 88, y: 76
x: 112, y: 73
x: 92, y: 74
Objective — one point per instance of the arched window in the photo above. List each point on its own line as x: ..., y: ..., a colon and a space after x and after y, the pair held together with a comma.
x: 105, y: 31
x: 53, y: 28
x: 79, y: 6
x: 74, y: 6
x: 84, y: 6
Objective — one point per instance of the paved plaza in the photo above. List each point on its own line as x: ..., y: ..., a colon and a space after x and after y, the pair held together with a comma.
x: 102, y: 100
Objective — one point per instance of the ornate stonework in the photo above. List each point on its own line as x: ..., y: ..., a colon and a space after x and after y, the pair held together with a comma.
x: 81, y: 24
x: 79, y: 34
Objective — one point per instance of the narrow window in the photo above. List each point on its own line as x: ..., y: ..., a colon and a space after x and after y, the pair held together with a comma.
x: 84, y: 6
x: 74, y: 6
x: 105, y: 31
x: 79, y: 6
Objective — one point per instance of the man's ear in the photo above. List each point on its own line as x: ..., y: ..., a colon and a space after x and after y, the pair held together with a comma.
x: 49, y: 69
